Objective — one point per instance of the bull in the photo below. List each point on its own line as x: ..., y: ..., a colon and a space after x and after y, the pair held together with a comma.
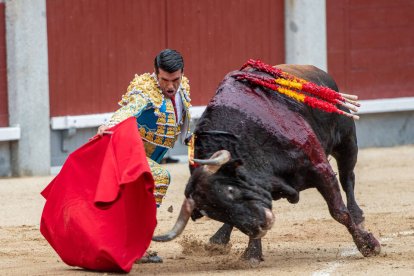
x: 255, y: 146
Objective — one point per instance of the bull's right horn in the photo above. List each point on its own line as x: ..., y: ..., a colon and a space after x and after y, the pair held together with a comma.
x: 185, y: 213
x: 216, y: 160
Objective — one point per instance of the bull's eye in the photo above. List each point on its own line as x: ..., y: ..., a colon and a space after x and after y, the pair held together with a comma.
x: 230, y: 192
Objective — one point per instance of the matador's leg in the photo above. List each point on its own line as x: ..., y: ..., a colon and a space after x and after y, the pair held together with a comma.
x: 161, y: 178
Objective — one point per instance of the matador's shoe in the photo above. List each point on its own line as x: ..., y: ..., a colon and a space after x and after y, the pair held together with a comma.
x: 150, y: 257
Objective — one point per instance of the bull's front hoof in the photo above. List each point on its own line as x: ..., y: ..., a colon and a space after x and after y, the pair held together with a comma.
x: 253, y: 252
x: 369, y: 246
x: 252, y: 256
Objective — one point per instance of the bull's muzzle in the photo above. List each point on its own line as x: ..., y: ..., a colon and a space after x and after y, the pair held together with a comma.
x: 267, y: 225
x: 270, y: 219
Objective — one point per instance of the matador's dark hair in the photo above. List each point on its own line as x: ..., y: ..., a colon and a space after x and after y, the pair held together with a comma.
x: 169, y: 61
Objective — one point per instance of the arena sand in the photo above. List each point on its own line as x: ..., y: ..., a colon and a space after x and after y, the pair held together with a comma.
x: 305, y: 240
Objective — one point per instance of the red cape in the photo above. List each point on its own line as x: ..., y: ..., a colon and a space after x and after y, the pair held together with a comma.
x: 100, y: 211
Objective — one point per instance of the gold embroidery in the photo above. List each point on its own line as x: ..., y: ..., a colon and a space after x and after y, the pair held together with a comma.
x: 169, y: 143
x: 149, y: 135
x: 155, y: 138
x: 162, y: 119
x: 142, y: 131
x: 169, y: 107
x: 158, y: 140
x: 170, y: 120
x: 160, y: 129
x: 149, y: 148
x: 170, y: 131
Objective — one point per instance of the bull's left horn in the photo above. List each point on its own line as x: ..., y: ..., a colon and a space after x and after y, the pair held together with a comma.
x: 217, y: 159
x: 185, y: 213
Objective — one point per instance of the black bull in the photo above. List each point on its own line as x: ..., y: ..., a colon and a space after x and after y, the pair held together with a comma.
x: 267, y: 146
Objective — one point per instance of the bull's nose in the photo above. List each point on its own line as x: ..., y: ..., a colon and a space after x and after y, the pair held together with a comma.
x: 270, y: 219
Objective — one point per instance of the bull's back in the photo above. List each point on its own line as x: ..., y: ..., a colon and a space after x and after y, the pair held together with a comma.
x: 273, y: 115
x: 281, y: 116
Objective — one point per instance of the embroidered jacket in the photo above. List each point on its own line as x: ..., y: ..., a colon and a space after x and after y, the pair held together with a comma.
x: 154, y: 113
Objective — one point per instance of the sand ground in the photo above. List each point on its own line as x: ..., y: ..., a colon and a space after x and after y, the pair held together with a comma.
x: 305, y: 240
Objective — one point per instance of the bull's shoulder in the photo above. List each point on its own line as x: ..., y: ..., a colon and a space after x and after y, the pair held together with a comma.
x: 309, y: 73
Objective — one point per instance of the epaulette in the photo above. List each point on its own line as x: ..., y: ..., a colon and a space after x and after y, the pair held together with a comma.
x: 146, y: 86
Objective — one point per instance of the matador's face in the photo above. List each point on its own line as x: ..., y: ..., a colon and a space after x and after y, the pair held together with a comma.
x: 169, y: 82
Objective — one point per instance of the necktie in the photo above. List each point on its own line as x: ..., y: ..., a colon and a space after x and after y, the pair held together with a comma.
x: 175, y: 109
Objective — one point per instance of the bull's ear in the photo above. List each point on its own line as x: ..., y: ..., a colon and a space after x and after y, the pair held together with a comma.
x: 229, y: 169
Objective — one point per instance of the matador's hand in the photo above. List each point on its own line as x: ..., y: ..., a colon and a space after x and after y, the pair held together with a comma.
x: 103, y: 130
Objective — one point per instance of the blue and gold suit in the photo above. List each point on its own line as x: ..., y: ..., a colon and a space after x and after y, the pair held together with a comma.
x: 156, y: 121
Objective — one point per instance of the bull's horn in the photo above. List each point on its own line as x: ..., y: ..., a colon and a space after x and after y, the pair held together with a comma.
x: 185, y: 213
x: 218, y: 158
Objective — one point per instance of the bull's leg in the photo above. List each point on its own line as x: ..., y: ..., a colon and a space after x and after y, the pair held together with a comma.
x: 346, y: 158
x: 281, y: 189
x: 222, y: 236
x: 329, y: 188
x: 253, y: 251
